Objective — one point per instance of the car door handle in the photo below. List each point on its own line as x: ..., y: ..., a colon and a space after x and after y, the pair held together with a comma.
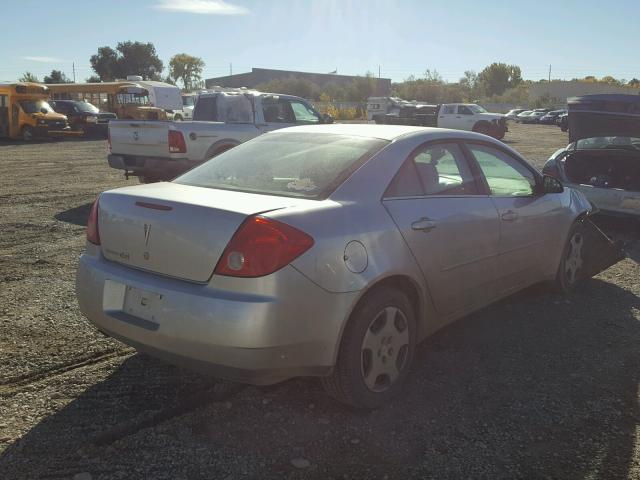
x: 423, y: 225
x: 509, y: 216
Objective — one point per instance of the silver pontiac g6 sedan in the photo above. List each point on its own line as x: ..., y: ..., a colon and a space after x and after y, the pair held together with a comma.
x: 325, y: 251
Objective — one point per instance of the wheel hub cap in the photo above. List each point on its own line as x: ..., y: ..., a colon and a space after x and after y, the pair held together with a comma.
x: 384, y: 349
x: 573, y: 260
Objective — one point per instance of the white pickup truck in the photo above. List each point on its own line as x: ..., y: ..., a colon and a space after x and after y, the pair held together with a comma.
x: 459, y: 116
x: 155, y: 151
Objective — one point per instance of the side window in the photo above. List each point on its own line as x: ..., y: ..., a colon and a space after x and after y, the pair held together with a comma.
x: 303, y: 113
x: 449, y: 109
x: 464, y: 110
x: 505, y: 175
x: 439, y: 169
x: 277, y: 111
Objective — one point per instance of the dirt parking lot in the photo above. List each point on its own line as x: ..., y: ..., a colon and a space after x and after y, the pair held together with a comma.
x: 537, y: 386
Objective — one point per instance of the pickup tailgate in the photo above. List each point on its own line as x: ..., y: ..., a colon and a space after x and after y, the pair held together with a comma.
x: 140, y: 138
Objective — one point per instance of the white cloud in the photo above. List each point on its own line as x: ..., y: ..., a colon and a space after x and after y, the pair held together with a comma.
x: 201, y: 7
x: 43, y: 59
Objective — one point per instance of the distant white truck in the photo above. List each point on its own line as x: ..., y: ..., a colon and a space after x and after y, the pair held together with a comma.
x: 155, y: 151
x: 459, y: 116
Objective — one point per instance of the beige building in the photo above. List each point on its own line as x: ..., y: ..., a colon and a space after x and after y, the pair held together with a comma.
x: 561, y: 90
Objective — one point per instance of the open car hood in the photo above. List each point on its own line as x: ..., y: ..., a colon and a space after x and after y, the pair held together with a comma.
x: 614, y: 115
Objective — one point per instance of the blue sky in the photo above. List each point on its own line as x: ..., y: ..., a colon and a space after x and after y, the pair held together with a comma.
x: 404, y: 37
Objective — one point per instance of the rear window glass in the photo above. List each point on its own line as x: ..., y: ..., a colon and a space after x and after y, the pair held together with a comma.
x: 309, y: 165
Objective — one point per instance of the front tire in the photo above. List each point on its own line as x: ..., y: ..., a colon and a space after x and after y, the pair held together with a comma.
x: 27, y: 133
x: 570, y: 271
x: 376, y: 351
x: 482, y: 128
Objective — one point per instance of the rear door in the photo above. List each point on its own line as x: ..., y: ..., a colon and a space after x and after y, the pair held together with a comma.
x: 531, y: 224
x: 451, y: 227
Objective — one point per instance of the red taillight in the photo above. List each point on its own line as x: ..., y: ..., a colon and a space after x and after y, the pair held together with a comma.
x: 93, y: 235
x: 176, y: 142
x: 260, y: 247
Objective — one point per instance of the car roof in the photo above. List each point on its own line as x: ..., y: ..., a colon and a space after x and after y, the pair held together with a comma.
x: 390, y: 132
x: 384, y: 132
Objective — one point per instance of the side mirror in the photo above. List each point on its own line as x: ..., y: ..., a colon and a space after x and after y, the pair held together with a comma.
x: 551, y: 185
x: 326, y: 118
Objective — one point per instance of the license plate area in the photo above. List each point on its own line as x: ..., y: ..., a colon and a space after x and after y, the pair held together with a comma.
x: 142, y: 303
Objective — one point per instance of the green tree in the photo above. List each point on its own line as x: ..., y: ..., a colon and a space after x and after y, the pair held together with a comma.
x: 498, y: 77
x: 105, y: 63
x: 634, y: 82
x: 28, y: 77
x: 129, y: 58
x: 57, y: 76
x: 610, y: 80
x: 187, y: 69
x: 93, y: 79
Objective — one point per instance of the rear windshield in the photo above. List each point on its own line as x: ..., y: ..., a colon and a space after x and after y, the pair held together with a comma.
x: 626, y: 143
x: 308, y: 165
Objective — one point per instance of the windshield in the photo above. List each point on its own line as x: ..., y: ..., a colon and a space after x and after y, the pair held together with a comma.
x: 477, y: 109
x: 35, y: 106
x: 627, y: 143
x: 286, y: 164
x: 188, y: 100
x: 135, y: 98
x: 86, y: 107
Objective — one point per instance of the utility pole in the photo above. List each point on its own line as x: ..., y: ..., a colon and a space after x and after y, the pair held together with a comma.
x: 549, y: 73
x: 378, y: 71
x: 230, y: 69
x: 73, y: 66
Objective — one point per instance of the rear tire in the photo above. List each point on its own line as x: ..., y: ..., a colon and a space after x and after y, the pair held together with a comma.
x: 376, y: 351
x: 570, y: 269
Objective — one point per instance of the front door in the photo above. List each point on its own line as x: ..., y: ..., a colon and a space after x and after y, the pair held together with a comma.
x: 450, y: 227
x: 4, y: 115
x: 448, y: 117
x: 528, y: 219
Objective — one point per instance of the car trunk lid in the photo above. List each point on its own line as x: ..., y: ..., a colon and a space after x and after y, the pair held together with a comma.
x: 176, y: 230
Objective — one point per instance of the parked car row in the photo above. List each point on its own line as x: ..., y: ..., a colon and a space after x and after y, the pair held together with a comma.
x: 544, y: 116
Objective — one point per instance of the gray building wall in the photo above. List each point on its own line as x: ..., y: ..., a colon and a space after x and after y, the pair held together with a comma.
x: 262, y: 75
x: 563, y: 90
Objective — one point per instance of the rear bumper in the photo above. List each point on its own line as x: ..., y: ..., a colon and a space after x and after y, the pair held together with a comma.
x: 248, y: 336
x: 161, y: 168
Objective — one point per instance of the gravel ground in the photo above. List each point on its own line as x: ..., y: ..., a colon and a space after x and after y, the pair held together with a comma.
x: 536, y: 386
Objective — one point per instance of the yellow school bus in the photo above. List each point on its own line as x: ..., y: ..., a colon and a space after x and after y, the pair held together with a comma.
x: 126, y: 99
x: 25, y: 113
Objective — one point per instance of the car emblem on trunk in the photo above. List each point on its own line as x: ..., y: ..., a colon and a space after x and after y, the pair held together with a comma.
x: 147, y: 233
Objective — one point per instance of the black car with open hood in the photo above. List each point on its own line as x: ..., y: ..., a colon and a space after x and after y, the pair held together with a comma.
x: 602, y: 159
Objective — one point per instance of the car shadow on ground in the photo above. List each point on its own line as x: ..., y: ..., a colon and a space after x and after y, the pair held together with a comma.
x: 76, y: 215
x: 536, y: 386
